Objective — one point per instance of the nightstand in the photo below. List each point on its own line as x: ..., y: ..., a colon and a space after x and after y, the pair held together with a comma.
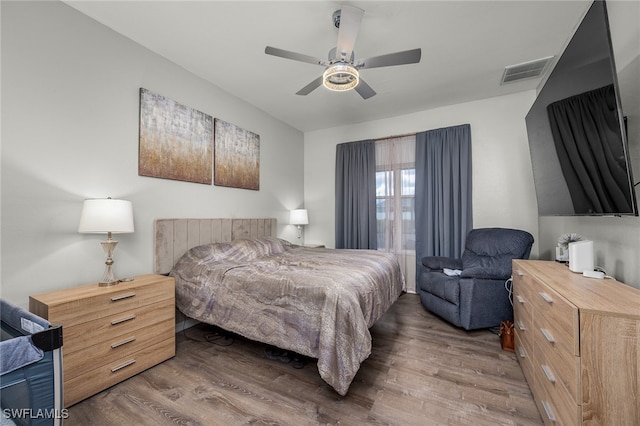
x: 110, y: 333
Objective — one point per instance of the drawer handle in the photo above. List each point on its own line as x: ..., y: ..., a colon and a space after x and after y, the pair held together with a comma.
x: 519, y: 273
x: 122, y: 297
x: 520, y: 299
x: 547, y: 336
x: 548, y: 373
x: 125, y: 319
x: 521, y: 352
x: 520, y: 325
x: 124, y: 342
x: 548, y: 411
x: 546, y: 297
x: 123, y: 365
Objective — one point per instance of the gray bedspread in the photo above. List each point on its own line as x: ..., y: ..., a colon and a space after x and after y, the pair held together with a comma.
x: 314, y: 301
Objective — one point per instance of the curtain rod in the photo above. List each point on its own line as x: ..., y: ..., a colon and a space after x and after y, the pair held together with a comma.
x: 397, y: 136
x: 422, y: 131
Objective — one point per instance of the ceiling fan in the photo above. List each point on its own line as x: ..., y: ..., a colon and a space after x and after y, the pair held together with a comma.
x: 341, y: 67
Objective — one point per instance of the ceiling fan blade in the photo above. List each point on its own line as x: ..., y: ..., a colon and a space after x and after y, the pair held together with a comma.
x: 399, y: 58
x: 365, y: 90
x: 292, y: 55
x: 350, y: 18
x: 310, y: 87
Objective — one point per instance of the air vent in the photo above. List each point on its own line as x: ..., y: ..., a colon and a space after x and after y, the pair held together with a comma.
x: 525, y: 70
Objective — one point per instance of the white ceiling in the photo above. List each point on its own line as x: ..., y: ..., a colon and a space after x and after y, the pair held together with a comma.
x: 465, y: 47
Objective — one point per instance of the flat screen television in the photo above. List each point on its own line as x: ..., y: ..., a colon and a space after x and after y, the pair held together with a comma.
x: 576, y: 129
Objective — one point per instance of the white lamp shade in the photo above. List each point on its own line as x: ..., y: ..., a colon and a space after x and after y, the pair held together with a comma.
x: 103, y: 215
x: 299, y: 217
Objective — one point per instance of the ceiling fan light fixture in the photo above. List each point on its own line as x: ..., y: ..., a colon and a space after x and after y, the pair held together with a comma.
x: 340, y: 77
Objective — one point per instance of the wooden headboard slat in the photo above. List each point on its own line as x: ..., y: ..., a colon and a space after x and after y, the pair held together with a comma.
x: 174, y: 237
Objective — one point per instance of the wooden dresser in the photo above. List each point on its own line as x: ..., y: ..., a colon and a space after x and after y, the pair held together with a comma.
x: 578, y: 342
x: 110, y: 333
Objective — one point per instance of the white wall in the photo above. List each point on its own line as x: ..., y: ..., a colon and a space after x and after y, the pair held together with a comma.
x: 70, y: 131
x: 503, y: 191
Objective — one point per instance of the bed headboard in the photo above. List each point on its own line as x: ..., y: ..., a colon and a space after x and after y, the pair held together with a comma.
x: 174, y: 237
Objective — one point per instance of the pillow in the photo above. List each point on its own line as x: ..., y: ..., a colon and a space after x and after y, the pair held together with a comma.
x: 207, y: 256
x: 251, y: 248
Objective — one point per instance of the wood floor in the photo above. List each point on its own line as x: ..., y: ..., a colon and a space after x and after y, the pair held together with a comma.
x: 421, y: 371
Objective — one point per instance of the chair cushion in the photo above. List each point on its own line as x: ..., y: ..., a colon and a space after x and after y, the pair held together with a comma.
x: 441, y: 285
x: 495, y: 248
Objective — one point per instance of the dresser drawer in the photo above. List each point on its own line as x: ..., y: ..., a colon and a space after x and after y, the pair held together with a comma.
x: 108, y: 375
x: 560, y: 370
x: 524, y: 355
x: 550, y: 339
x: 556, y: 411
x: 81, y: 304
x: 524, y: 290
x: 523, y: 309
x: 557, y: 319
x: 111, y: 327
x: 109, y: 351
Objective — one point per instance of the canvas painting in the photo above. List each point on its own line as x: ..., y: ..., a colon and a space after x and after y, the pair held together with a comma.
x: 236, y: 157
x: 175, y: 141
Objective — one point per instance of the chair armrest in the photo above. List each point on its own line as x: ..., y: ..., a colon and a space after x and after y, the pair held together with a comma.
x: 486, y: 273
x: 441, y: 262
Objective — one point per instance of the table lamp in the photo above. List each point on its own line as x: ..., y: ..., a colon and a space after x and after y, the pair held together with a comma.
x: 107, y: 216
x: 299, y: 217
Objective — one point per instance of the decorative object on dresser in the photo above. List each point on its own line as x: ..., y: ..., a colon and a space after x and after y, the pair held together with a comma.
x: 107, y: 216
x: 578, y: 343
x: 581, y: 256
x: 110, y: 333
x: 299, y: 217
x: 562, y: 250
x: 470, y: 292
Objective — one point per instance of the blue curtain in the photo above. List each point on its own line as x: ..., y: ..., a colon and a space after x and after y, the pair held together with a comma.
x: 443, y: 192
x: 356, y: 195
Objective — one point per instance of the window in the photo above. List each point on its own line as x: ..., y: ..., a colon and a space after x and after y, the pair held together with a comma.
x: 395, y: 194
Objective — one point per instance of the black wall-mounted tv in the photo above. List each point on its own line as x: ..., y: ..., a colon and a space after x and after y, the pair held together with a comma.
x: 576, y: 130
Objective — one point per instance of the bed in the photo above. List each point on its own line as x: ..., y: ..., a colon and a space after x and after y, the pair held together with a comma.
x: 236, y: 274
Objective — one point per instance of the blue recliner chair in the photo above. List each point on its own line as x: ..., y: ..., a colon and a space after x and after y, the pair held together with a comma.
x: 470, y: 292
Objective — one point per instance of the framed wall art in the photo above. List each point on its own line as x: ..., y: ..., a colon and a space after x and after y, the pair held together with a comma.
x: 175, y: 141
x: 236, y: 157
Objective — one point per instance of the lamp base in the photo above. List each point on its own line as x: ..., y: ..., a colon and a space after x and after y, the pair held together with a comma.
x: 108, y: 278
